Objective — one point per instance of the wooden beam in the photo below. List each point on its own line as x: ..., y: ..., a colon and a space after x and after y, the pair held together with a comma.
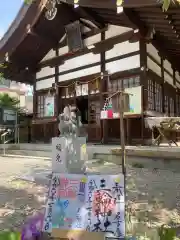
x: 162, y: 85
x: 85, y: 13
x: 86, y: 24
x: 43, y: 36
x: 136, y: 21
x: 159, y: 45
x: 109, y: 4
x: 90, y: 15
x: 174, y: 77
x: 86, y: 35
x: 111, y: 41
x: 157, y: 41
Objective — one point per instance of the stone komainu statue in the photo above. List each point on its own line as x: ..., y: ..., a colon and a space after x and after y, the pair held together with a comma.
x: 70, y: 122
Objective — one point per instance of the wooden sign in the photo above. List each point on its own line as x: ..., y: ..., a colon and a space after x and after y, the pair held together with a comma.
x: 74, y: 37
x: 116, y: 105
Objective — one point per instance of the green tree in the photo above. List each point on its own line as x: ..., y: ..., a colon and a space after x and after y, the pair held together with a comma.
x: 9, y: 102
x: 166, y: 4
x: 2, y: 66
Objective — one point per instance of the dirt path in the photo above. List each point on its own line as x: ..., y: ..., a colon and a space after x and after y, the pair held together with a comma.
x: 19, y: 199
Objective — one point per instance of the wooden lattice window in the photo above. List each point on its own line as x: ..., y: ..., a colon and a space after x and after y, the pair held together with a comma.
x: 40, y: 106
x: 158, y: 97
x: 133, y: 81
x: 151, y: 94
x: 122, y: 83
x: 171, y: 106
x: 177, y: 105
x: 166, y: 104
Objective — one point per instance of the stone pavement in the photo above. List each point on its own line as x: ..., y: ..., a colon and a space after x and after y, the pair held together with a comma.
x: 152, y: 194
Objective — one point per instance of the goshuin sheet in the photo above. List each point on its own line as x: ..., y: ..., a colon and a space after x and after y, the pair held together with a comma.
x: 69, y: 210
x: 105, y: 205
x: 92, y: 203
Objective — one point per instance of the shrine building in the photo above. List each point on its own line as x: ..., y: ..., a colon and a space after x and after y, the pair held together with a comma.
x: 82, y: 54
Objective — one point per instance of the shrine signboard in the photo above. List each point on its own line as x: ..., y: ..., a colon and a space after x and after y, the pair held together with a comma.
x: 135, y: 104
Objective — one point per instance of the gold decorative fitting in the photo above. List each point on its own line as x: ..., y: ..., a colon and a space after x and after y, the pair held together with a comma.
x: 119, y: 6
x: 51, y: 9
x: 28, y: 28
x: 76, y: 3
x: 7, y: 57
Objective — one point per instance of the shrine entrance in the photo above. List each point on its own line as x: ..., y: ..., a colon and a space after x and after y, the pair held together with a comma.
x: 82, y: 105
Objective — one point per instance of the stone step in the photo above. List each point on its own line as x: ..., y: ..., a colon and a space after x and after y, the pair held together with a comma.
x: 25, y: 156
x: 35, y: 153
x: 140, y: 162
x: 44, y: 150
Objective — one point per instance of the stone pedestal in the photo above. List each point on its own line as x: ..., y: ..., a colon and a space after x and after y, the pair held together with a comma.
x: 69, y: 154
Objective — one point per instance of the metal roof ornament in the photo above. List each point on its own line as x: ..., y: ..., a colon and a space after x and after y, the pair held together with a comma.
x: 7, y: 57
x: 51, y: 12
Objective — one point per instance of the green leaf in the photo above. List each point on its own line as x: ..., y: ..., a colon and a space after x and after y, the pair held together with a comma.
x: 28, y: 2
x: 119, y: 2
x: 10, y: 235
x: 9, y: 102
x: 166, y: 4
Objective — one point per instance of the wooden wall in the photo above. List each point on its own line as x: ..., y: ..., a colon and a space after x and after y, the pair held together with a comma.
x: 123, y: 57
x: 163, y: 85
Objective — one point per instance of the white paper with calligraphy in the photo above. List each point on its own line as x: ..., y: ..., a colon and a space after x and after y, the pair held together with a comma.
x: 105, y: 205
x: 92, y: 203
x: 69, y: 210
x: 47, y: 224
x: 59, y: 155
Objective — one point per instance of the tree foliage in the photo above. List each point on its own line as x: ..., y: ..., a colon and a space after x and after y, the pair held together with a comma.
x: 1, y: 74
x: 7, y: 101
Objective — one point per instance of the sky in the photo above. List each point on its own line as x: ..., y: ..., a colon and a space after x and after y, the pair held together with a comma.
x: 8, y: 11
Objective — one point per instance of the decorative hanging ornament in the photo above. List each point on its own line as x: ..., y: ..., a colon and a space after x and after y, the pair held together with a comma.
x: 119, y: 6
x: 76, y: 3
x: 49, y: 93
x: 97, y: 84
x: 7, y: 57
x: 51, y: 9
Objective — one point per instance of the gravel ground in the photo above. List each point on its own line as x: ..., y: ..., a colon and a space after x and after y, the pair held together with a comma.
x: 152, y: 195
x: 18, y: 198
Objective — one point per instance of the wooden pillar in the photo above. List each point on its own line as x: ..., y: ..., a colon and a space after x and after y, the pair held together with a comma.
x: 128, y: 132
x: 56, y: 100
x: 174, y: 77
x: 35, y: 107
x: 34, y: 99
x: 163, y: 90
x: 56, y: 107
x: 174, y: 83
x: 103, y: 89
x: 143, y: 83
